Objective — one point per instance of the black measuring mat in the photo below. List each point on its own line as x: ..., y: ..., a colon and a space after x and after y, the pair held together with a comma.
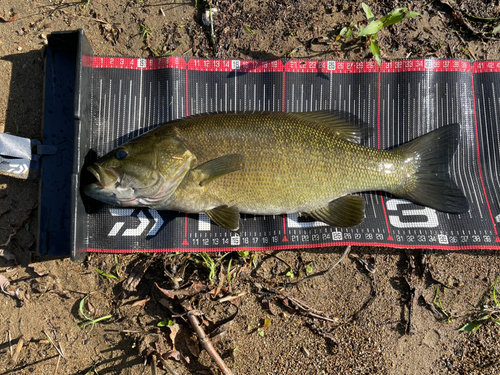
x: 396, y: 102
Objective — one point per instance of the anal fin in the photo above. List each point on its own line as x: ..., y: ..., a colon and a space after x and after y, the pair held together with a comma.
x: 226, y: 217
x: 347, y: 211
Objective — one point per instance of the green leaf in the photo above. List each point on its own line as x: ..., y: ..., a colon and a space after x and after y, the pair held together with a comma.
x: 395, y: 16
x: 496, y: 29
x: 375, y: 49
x: 349, y: 33
x: 368, y: 12
x: 82, y: 303
x: 261, y: 332
x: 105, y: 274
x: 372, y: 28
x: 494, y: 293
x: 289, y: 274
x: 243, y: 253
x: 343, y: 31
x: 471, y: 326
x: 249, y: 30
x: 309, y: 268
x: 165, y: 323
x: 412, y: 14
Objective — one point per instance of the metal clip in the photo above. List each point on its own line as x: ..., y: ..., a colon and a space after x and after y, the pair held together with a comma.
x: 20, y: 157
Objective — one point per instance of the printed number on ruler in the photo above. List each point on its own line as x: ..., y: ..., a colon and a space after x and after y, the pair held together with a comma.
x: 423, y: 217
x: 235, y: 64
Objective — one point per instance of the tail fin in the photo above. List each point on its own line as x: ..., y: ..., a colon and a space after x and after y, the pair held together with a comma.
x: 431, y: 185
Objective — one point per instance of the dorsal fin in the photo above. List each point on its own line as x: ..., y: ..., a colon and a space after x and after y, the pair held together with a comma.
x: 337, y: 122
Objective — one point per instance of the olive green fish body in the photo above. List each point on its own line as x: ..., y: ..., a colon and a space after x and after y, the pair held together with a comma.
x: 290, y: 165
x: 273, y: 163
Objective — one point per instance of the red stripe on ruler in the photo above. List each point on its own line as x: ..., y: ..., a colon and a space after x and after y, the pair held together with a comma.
x: 187, y: 94
x: 284, y: 229
x: 185, y: 242
x: 302, y: 246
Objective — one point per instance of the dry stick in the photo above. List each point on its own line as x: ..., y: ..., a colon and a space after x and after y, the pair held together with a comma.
x: 10, y: 343
x: 19, y: 346
x: 57, y: 365
x: 170, y: 370
x: 54, y: 345
x: 207, y: 344
x: 322, y: 273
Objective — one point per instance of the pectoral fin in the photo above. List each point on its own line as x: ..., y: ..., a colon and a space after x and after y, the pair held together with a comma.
x: 219, y: 167
x: 226, y: 217
x: 347, y: 211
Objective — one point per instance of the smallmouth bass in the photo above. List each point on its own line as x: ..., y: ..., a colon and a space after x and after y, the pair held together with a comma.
x: 272, y: 163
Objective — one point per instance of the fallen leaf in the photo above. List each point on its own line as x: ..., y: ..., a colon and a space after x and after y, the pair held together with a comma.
x: 38, y: 269
x: 135, y: 276
x: 174, y: 330
x: 194, y: 289
x: 11, y: 19
x: 193, y: 345
x: 176, y: 355
x: 4, y: 283
x: 141, y: 302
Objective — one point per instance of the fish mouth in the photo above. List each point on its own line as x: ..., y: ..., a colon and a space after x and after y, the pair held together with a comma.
x: 106, y: 178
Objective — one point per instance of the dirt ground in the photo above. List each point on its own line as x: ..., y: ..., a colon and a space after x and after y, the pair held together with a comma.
x: 380, y: 311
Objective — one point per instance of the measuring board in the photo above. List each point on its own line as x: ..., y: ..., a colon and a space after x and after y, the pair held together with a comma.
x: 398, y: 101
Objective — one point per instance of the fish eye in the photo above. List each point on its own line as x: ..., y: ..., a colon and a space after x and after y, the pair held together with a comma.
x: 121, y: 154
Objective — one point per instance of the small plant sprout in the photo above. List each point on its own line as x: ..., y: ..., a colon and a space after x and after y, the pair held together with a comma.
x: 102, y: 273
x: 261, y: 331
x: 374, y: 26
x: 209, y: 263
x: 440, y: 306
x: 145, y: 32
x: 309, y: 268
x: 345, y: 33
x: 165, y: 323
x: 489, y: 312
x: 90, y: 321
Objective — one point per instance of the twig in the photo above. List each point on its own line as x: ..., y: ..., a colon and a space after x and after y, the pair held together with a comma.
x: 206, y: 343
x: 10, y: 343
x: 57, y: 365
x: 164, y: 363
x: 19, y: 346
x: 230, y: 298
x: 53, y: 344
x: 308, y: 310
x: 322, y: 273
x: 153, y: 365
